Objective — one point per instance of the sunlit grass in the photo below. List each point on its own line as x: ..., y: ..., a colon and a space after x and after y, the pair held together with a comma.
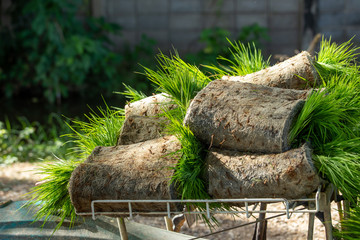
x: 329, y: 112
x: 132, y: 94
x: 335, y: 59
x: 351, y: 226
x: 339, y: 162
x: 52, y: 196
x: 180, y: 80
x: 189, y: 171
x: 100, y: 129
x: 330, y: 121
x: 245, y: 59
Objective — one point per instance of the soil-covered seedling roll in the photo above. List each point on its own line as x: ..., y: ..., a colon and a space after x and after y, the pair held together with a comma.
x: 137, y: 171
x: 139, y: 129
x: 233, y: 174
x: 244, y: 116
x: 150, y: 106
x: 297, y: 72
x: 143, y: 119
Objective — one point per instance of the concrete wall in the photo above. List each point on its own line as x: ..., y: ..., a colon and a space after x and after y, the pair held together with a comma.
x: 179, y: 22
x: 339, y: 19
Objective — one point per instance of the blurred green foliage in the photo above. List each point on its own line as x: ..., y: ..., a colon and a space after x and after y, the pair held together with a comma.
x: 216, y: 43
x: 54, y: 48
x: 25, y: 141
x: 50, y: 50
x: 134, y: 57
x: 254, y: 33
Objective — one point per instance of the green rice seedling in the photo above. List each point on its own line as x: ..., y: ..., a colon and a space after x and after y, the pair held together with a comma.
x: 339, y: 162
x: 50, y: 198
x: 350, y: 228
x: 328, y: 112
x: 246, y: 59
x: 102, y: 129
x: 132, y: 94
x: 190, y: 168
x: 189, y: 171
x: 334, y: 59
x: 180, y: 80
x: 330, y: 121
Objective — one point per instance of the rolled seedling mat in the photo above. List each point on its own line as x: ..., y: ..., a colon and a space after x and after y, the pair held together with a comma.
x: 244, y: 116
x: 137, y: 129
x: 233, y: 174
x: 126, y: 172
x: 297, y: 72
x: 150, y: 106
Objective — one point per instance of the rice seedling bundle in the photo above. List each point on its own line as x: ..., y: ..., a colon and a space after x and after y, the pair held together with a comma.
x: 139, y: 128
x: 143, y: 119
x: 51, y: 197
x: 276, y: 123
x: 233, y: 115
x: 287, y: 74
x: 136, y: 171
x: 149, y: 106
x: 244, y: 116
x: 234, y: 174
x: 229, y: 114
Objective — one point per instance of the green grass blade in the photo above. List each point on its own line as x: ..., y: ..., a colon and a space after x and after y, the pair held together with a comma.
x: 245, y: 59
x: 51, y: 199
x: 334, y: 59
x: 180, y: 80
x: 350, y: 227
x: 100, y: 130
x: 132, y: 94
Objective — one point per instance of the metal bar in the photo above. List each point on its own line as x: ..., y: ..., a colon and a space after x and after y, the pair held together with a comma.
x: 93, y: 210
x: 130, y: 210
x: 287, y: 210
x: 231, y: 228
x: 168, y: 209
x: 310, y: 234
x: 247, y: 210
x: 317, y: 199
x: 208, y: 210
x: 197, y: 212
x: 255, y: 200
x: 255, y: 206
x: 260, y: 231
x: 326, y: 198
x: 246, y: 201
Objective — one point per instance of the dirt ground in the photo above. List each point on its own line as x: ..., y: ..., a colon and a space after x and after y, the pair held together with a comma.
x: 17, y: 180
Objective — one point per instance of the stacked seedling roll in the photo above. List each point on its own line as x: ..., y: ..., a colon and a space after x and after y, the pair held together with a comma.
x: 254, y: 122
x: 239, y: 116
x: 134, y: 171
x: 143, y: 121
x: 243, y: 136
x: 288, y: 74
